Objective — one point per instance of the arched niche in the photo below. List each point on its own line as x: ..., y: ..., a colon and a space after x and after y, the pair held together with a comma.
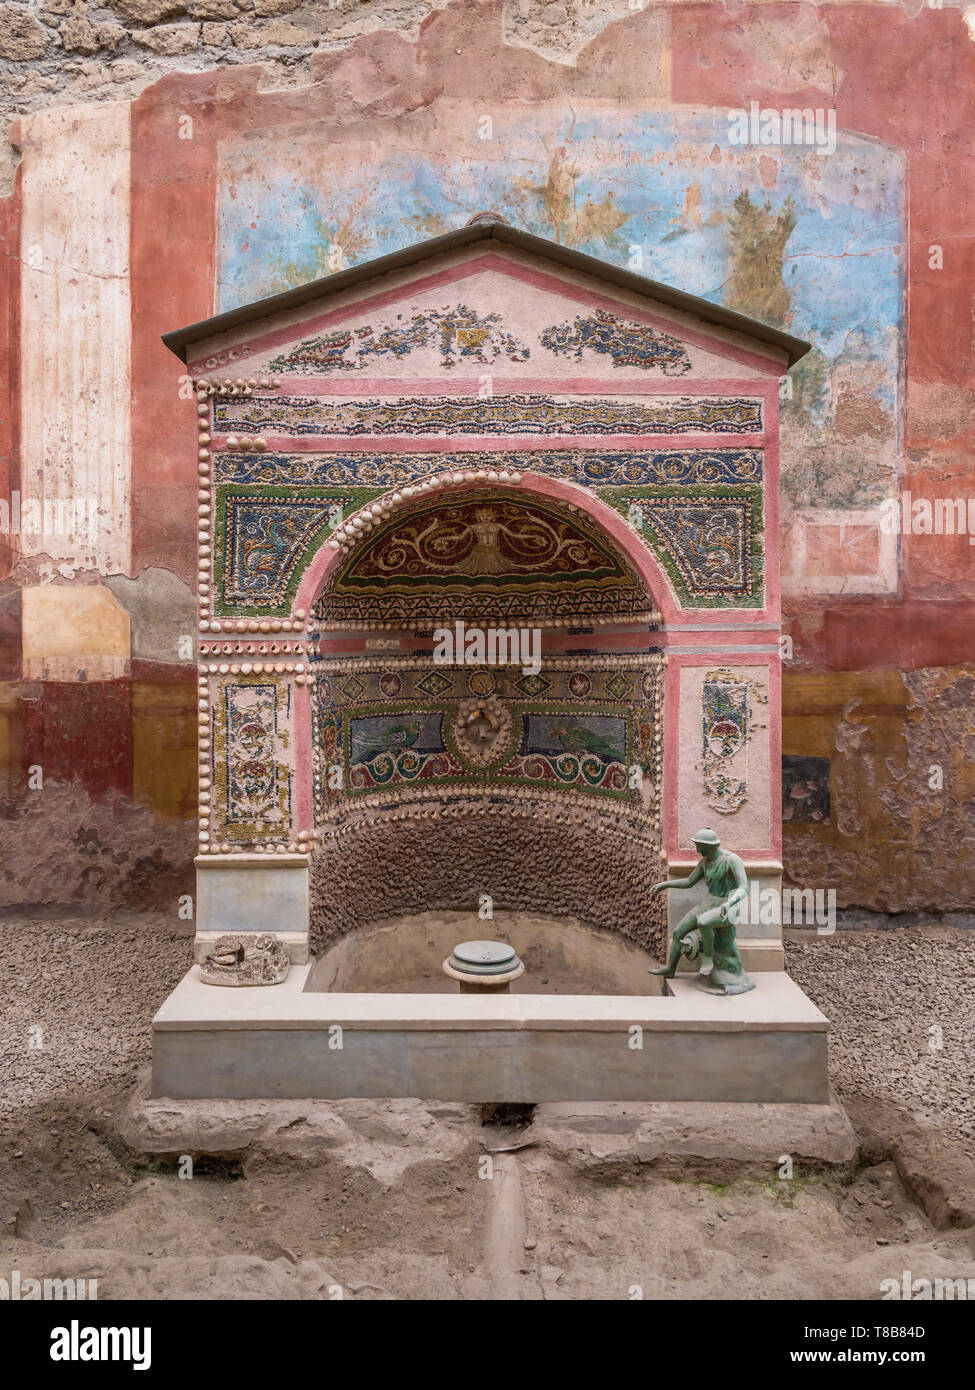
x: 443, y: 779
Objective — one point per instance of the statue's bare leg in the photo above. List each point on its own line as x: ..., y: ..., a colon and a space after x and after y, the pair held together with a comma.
x: 670, y: 969
x: 706, y: 924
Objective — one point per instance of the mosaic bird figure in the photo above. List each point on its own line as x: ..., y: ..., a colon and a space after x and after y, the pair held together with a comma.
x: 576, y: 739
x: 262, y: 554
x: 713, y: 543
x: 395, y: 739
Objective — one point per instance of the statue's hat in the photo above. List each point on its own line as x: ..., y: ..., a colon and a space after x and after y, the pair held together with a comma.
x: 706, y: 837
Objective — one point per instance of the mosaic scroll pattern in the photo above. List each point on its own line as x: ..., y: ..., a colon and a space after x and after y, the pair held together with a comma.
x: 605, y: 467
x: 407, y: 730
x: 485, y: 556
x: 296, y: 416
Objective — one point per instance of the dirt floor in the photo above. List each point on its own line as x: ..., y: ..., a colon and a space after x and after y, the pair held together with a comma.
x: 405, y: 1212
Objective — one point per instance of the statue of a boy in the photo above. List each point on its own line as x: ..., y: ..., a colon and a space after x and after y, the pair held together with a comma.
x: 713, y: 921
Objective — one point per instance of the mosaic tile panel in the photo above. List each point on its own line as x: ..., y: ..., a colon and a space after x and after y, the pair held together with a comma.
x: 377, y: 729
x: 725, y: 734
x: 273, y: 512
x: 263, y: 539
x: 515, y: 414
x: 628, y: 344
x: 251, y: 761
x: 458, y: 333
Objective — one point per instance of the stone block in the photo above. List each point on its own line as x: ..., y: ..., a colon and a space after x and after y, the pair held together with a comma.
x: 253, y: 893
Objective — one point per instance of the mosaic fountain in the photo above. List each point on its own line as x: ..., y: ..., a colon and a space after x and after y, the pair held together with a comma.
x: 486, y: 429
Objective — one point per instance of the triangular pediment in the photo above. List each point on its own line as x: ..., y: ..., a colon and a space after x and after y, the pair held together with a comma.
x: 521, y: 309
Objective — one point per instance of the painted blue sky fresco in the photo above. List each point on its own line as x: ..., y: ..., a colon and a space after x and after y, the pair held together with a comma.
x: 669, y: 178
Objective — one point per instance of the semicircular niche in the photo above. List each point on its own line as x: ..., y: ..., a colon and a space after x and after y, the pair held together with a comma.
x: 484, y: 557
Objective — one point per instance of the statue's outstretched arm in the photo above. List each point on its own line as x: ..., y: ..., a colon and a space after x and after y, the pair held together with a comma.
x: 695, y: 876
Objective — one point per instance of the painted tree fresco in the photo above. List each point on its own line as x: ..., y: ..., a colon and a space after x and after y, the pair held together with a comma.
x: 806, y: 240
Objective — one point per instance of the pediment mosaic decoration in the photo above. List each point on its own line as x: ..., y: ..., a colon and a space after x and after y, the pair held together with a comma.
x: 458, y: 333
x: 484, y: 557
x: 627, y: 344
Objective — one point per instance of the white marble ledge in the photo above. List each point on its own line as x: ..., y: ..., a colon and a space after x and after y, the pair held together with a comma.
x: 777, y: 1004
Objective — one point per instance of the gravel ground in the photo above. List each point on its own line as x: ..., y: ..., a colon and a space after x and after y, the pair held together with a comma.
x: 74, y: 1202
x: 901, y: 1006
x: 76, y: 1003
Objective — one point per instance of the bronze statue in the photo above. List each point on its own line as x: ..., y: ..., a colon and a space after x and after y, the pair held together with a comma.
x: 709, y: 928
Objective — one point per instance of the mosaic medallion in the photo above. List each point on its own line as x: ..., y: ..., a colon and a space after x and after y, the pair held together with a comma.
x: 481, y: 731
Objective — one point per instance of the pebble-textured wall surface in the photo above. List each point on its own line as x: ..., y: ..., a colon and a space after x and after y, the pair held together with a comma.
x: 591, y: 870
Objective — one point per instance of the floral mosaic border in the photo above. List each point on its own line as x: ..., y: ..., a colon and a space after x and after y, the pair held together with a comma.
x: 507, y: 414
x: 589, y: 467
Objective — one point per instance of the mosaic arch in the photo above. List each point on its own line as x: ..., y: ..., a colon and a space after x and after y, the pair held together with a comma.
x: 597, y: 513
x: 484, y: 556
x: 390, y: 731
x: 697, y: 512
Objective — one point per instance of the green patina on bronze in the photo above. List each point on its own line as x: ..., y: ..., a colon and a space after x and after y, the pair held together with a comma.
x: 708, y: 929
